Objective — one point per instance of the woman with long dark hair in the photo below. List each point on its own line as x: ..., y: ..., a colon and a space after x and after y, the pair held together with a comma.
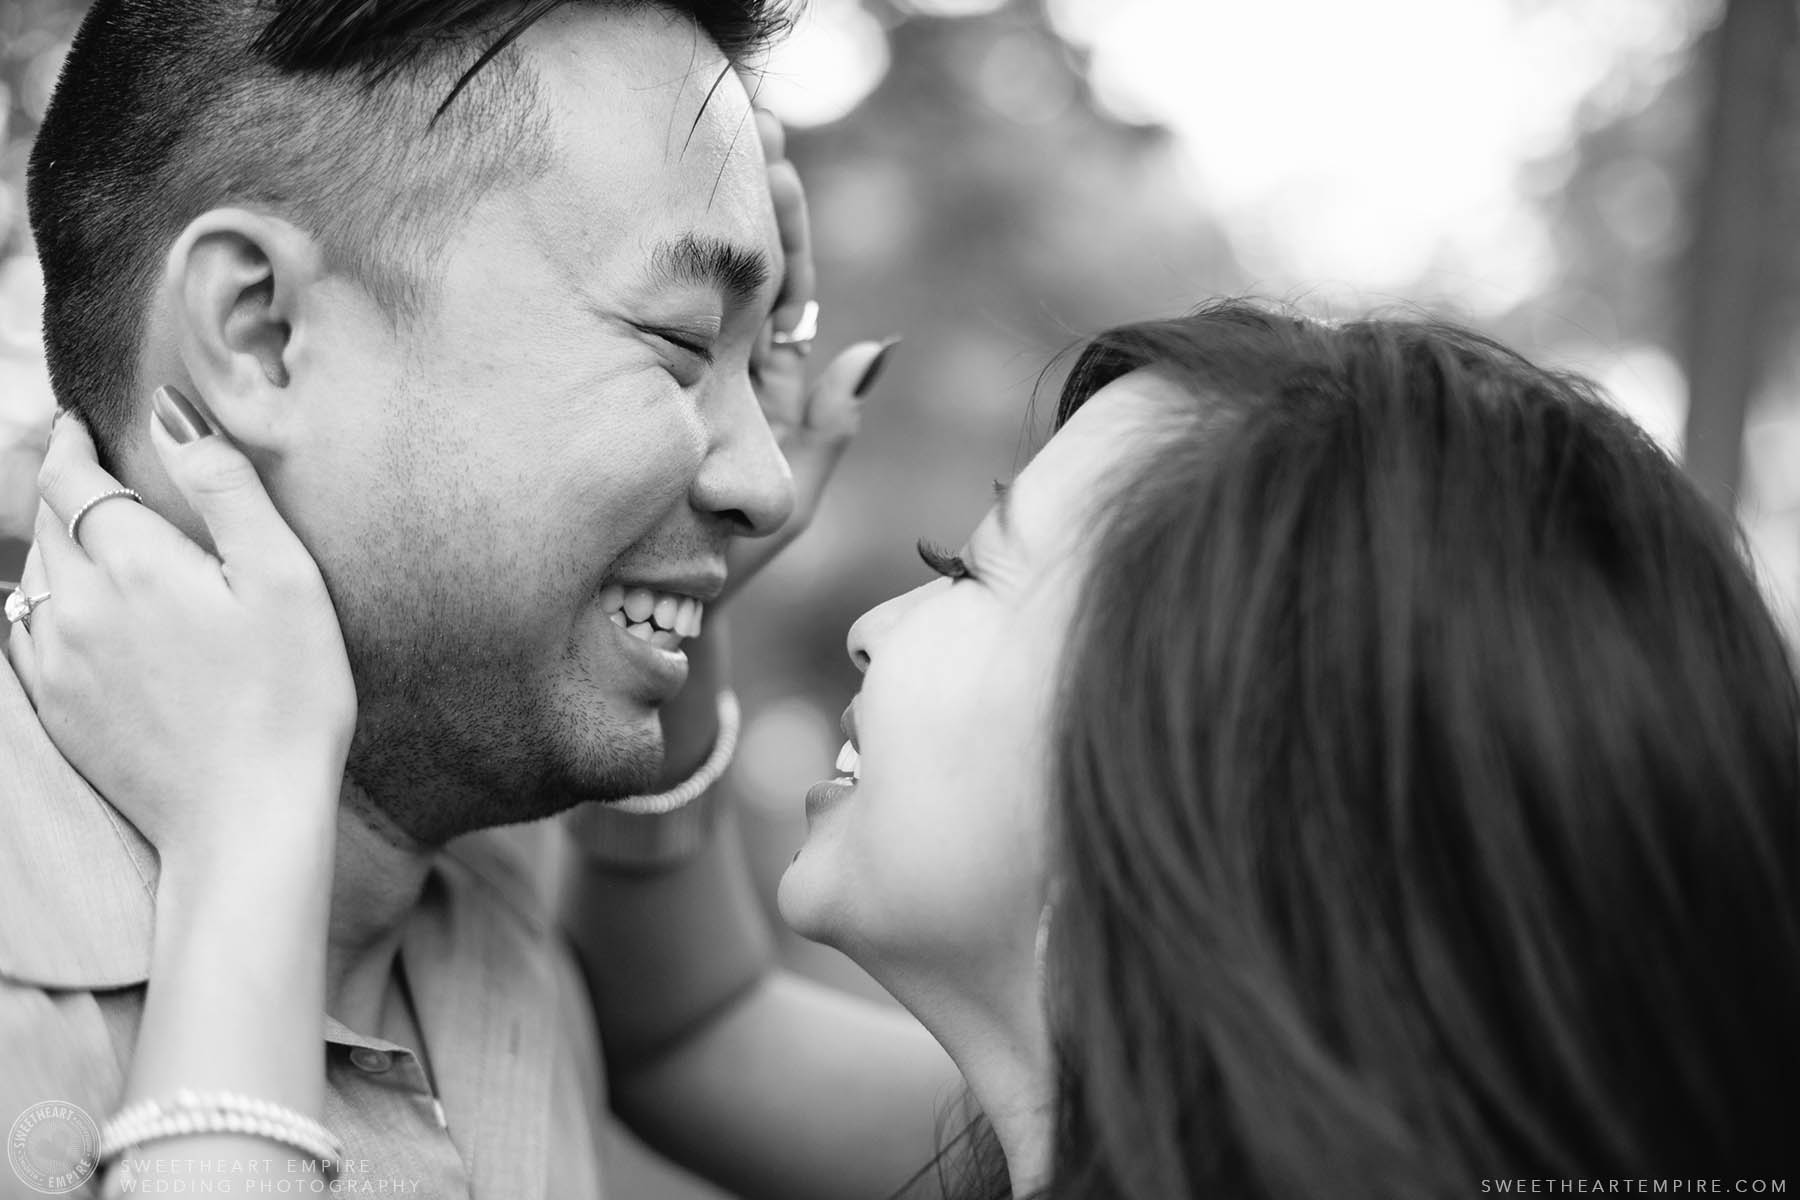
x: 1417, y: 786
x: 1351, y: 761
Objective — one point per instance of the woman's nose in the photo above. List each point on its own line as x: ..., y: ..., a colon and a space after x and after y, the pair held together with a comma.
x: 874, y: 624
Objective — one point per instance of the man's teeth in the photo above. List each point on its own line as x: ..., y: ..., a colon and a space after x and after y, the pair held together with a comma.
x: 660, y: 618
x: 849, y: 762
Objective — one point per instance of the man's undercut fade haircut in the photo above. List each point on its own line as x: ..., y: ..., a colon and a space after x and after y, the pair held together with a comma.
x: 372, y: 124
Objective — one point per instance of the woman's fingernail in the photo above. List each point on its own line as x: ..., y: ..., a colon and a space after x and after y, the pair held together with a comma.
x: 180, y: 417
x: 873, y: 370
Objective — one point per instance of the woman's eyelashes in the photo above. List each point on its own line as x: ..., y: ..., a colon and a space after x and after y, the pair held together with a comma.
x: 951, y: 566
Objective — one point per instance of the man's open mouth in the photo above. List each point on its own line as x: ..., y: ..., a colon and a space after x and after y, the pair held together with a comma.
x: 661, y: 618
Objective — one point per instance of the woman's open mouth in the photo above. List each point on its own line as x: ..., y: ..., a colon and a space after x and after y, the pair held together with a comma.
x: 822, y: 796
x: 849, y: 765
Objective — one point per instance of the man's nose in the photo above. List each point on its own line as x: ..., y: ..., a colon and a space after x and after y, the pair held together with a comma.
x: 744, y: 477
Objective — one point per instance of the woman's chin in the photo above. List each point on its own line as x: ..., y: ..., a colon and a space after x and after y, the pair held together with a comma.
x: 814, y: 898
x: 799, y: 898
x: 810, y: 896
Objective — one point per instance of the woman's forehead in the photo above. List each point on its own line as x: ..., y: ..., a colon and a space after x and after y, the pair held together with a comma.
x: 1080, y: 465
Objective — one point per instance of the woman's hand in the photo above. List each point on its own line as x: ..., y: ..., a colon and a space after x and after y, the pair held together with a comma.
x: 816, y: 424
x: 206, y: 695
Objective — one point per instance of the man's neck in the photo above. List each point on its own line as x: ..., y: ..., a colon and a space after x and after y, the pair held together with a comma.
x: 378, y: 880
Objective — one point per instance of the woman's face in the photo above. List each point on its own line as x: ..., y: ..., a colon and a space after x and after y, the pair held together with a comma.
x: 935, y: 857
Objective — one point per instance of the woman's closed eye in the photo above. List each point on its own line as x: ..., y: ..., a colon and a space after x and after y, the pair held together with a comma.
x: 951, y: 566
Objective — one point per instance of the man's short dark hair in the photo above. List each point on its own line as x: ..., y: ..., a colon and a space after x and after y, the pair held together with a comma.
x: 372, y: 124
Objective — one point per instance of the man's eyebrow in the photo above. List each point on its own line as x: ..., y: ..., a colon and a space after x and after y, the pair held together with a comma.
x: 741, y: 273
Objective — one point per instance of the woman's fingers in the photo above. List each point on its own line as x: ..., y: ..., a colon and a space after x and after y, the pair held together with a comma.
x: 21, y: 655
x: 71, y: 481
x: 813, y: 447
x: 774, y: 137
x: 21, y: 646
x: 54, y: 557
x: 815, y: 425
x: 224, y: 490
x: 800, y: 281
x: 833, y: 417
x: 57, y: 568
x: 782, y: 388
x: 179, y: 684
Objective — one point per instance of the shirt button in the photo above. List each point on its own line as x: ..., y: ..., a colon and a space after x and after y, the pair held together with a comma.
x: 363, y: 1058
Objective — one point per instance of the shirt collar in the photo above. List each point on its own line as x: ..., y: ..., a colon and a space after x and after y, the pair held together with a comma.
x: 77, y: 882
x: 479, y: 953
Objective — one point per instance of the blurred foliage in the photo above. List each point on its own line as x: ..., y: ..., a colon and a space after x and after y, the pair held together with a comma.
x: 33, y: 34
x: 1634, y: 268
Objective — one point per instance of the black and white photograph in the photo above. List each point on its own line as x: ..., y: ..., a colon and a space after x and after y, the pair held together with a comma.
x: 900, y: 599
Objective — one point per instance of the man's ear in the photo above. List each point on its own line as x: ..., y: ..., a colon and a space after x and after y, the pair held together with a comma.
x: 236, y: 290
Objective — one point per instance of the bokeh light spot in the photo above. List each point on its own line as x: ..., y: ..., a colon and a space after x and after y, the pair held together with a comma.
x: 835, y: 57
x: 1649, y: 387
x: 788, y: 745
x: 1022, y: 76
x: 950, y: 8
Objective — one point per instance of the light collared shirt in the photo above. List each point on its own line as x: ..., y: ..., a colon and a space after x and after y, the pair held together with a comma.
x: 515, y: 1104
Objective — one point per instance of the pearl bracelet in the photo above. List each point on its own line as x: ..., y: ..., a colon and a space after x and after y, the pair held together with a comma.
x: 190, y: 1114
x: 691, y: 788
x: 655, y: 831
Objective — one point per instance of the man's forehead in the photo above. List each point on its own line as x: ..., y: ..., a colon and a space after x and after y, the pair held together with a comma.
x: 644, y: 78
x: 730, y: 245
x: 657, y: 146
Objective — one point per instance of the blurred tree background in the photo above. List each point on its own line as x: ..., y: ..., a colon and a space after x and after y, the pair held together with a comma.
x: 1608, y: 184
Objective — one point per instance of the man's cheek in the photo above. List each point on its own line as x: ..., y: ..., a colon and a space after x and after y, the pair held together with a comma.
x: 640, y: 475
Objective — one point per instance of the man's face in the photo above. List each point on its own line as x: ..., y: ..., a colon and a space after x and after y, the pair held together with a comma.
x: 571, y: 416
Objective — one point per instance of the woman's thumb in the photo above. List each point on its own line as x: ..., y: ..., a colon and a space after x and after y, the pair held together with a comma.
x: 219, y: 483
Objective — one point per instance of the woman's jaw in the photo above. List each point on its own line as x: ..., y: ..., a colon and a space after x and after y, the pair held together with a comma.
x: 927, y: 855
x: 986, y: 1007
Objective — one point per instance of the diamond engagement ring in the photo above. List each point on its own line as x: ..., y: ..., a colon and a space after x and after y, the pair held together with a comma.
x: 115, y: 494
x: 801, y: 336
x: 19, y: 607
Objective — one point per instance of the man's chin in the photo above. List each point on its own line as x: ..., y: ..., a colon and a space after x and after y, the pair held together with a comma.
x: 432, y: 798
x: 627, y: 768
x: 625, y: 761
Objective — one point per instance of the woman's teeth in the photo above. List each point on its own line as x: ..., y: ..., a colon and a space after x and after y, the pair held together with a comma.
x: 661, y: 618
x: 849, y: 763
